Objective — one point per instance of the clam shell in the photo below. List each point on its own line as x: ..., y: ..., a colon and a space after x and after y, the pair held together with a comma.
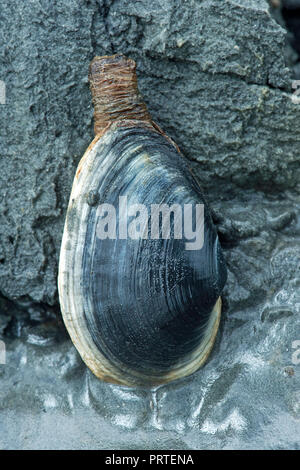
x: 142, y: 311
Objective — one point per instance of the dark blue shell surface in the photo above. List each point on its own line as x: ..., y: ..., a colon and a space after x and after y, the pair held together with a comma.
x: 145, y: 303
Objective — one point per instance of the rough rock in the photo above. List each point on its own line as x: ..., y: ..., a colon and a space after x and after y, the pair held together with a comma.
x: 216, y: 78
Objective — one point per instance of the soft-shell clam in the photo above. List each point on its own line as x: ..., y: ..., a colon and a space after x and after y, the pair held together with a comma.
x: 140, y: 309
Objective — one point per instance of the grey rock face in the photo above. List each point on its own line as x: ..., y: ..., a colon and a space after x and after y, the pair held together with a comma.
x: 215, y: 79
x: 213, y: 76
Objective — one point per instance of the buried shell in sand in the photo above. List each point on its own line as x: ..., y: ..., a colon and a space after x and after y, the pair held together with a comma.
x: 139, y: 297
